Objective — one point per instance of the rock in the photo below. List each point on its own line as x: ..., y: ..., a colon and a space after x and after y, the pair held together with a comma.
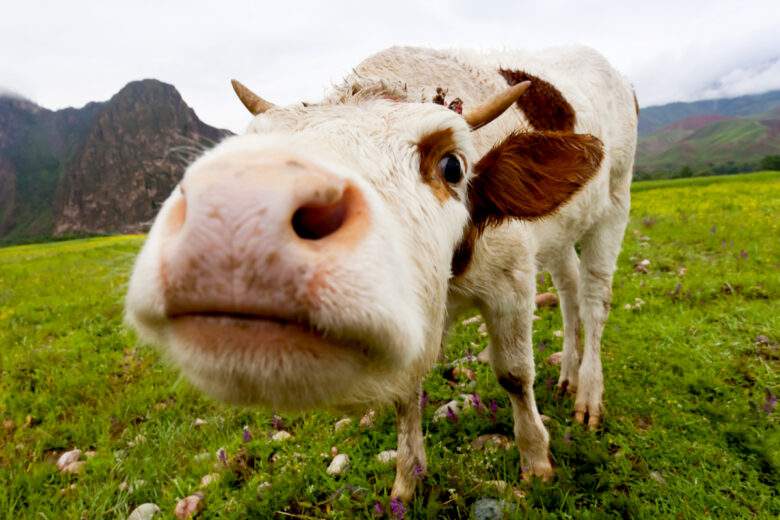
x: 263, y: 488
x: 492, y: 440
x: 338, y: 465
x: 281, y: 436
x: 642, y: 267
x: 558, y: 333
x: 343, y: 423
x: 447, y: 410
x: 657, y: 477
x: 367, y: 421
x: 68, y: 458
x: 555, y: 358
x: 547, y: 299
x: 387, y: 456
x: 189, y: 506
x: 473, y: 320
x: 144, y: 512
x: 484, y: 356
x: 491, y: 509
x: 461, y: 371
x: 209, y: 479
x: 198, y: 422
x: 74, y: 468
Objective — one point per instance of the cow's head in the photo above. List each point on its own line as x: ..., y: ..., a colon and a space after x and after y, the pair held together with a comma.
x: 307, y: 262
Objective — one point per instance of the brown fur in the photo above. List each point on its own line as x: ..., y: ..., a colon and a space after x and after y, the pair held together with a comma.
x: 465, y: 251
x: 512, y: 384
x: 432, y: 148
x: 528, y: 175
x: 543, y: 104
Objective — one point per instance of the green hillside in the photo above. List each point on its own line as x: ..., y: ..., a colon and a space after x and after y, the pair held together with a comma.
x: 691, y: 366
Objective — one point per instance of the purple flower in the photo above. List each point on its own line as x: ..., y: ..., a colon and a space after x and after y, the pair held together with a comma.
x: 770, y: 403
x: 493, y: 409
x: 397, y: 507
x: 222, y: 455
x: 418, y: 471
x: 477, y: 402
x: 451, y: 415
x: 378, y: 509
x: 423, y: 399
x: 276, y: 422
x: 246, y: 435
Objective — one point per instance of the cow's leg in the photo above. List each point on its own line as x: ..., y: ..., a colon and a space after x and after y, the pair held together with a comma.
x: 565, y: 274
x: 512, y: 359
x: 600, y: 249
x: 410, y: 463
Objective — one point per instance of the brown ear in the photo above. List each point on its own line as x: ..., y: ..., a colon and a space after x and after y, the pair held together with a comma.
x: 528, y: 175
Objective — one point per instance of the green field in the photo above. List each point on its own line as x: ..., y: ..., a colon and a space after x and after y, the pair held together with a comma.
x: 690, y: 430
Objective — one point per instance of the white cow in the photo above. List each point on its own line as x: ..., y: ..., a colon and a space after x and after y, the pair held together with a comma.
x: 317, y: 259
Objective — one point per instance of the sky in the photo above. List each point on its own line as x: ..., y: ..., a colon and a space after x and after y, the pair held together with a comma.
x: 67, y: 53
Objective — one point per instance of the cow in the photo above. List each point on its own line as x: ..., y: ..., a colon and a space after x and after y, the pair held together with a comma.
x: 318, y: 259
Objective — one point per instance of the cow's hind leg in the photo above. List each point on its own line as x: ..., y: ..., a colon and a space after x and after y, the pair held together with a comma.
x: 564, y: 269
x: 511, y: 356
x: 600, y: 249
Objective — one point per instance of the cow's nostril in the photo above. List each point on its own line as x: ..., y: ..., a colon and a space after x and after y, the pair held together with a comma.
x: 314, y: 222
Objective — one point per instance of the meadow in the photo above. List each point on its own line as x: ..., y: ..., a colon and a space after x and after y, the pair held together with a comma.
x: 692, y: 371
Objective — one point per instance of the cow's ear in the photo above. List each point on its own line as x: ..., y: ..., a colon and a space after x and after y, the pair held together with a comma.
x: 528, y: 175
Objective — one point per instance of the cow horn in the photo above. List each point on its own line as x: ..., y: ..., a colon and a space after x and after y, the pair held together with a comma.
x: 251, y: 101
x: 492, y: 108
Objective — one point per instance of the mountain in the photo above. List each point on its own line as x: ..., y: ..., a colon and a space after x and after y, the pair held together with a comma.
x: 102, y: 168
x: 712, y: 136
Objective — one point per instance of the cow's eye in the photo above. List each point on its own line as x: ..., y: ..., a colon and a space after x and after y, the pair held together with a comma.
x: 450, y: 169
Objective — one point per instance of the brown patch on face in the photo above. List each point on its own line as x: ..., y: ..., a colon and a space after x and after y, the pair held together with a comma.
x: 461, y: 259
x: 543, y: 104
x: 432, y: 148
x: 529, y: 175
x: 512, y: 384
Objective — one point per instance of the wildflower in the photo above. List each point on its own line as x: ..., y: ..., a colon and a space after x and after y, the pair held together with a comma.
x: 246, y: 434
x: 770, y: 403
x: 397, y: 507
x: 418, y: 471
x: 476, y: 402
x: 378, y: 509
x: 222, y: 455
x: 451, y: 415
x: 276, y: 422
x: 423, y: 399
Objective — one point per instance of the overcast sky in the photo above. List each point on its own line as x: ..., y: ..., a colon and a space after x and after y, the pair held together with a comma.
x: 66, y: 53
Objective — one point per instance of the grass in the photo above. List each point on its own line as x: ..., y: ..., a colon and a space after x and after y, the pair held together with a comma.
x: 690, y: 430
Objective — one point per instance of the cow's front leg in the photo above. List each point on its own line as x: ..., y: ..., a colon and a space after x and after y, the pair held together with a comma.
x: 511, y: 356
x: 411, y: 463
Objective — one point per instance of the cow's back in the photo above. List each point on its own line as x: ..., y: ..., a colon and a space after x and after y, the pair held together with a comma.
x: 601, y: 101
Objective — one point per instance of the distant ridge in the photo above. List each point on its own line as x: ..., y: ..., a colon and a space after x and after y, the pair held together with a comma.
x: 102, y: 168
x: 710, y: 136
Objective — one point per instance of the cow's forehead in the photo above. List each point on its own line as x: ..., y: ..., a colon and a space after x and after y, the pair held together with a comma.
x: 376, y: 120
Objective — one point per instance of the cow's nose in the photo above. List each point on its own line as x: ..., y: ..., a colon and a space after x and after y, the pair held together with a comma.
x: 245, y: 231
x: 315, y: 221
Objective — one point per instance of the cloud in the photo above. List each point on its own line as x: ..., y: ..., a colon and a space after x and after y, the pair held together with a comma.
x: 69, y: 53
